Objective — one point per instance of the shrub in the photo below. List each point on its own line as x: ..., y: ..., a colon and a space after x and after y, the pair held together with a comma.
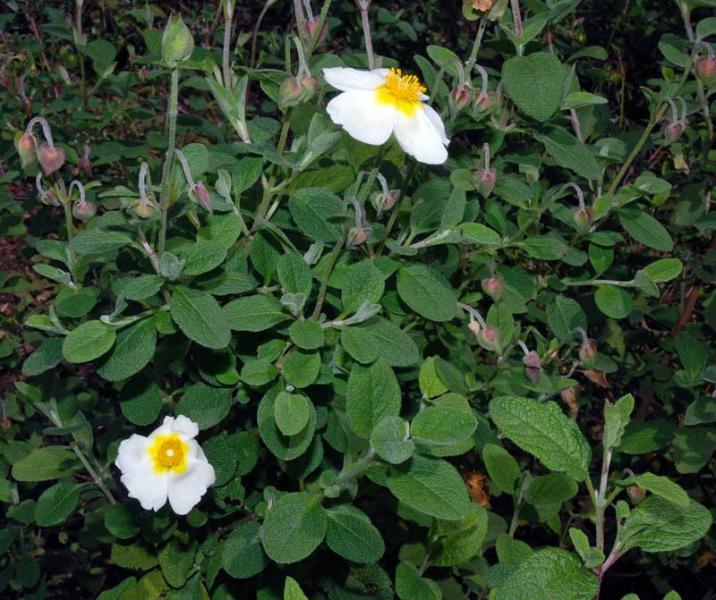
x: 297, y: 327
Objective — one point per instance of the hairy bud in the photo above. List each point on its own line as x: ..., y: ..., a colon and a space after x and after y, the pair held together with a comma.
x: 636, y: 494
x: 290, y: 93
x: 533, y: 366
x: 493, y: 287
x: 84, y: 211
x: 177, y: 41
x: 588, y: 352
x: 356, y: 237
x: 489, y: 338
x: 485, y: 180
x: 145, y: 210
x: 673, y: 131
x: 459, y: 99
x: 26, y: 145
x: 49, y: 198
x: 51, y: 158
x: 706, y: 70
x: 583, y: 218
x: 202, y: 195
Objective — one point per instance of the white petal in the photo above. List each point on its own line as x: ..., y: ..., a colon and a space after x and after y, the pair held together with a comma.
x: 437, y: 122
x: 186, y: 490
x: 185, y: 427
x: 418, y: 136
x: 146, y: 486
x: 131, y: 452
x: 359, y: 113
x: 345, y: 79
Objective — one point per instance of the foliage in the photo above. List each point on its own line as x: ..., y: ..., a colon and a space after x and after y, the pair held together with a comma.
x: 491, y: 376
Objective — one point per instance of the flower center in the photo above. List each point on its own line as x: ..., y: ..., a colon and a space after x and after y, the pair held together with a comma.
x: 401, y: 91
x: 168, y: 453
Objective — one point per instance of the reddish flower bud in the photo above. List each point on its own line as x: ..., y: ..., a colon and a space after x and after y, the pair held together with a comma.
x: 51, y: 158
x: 84, y: 211
x: 706, y: 70
x: 475, y: 327
x: 588, y: 352
x: 486, y: 102
x: 636, y: 494
x: 485, y: 180
x: 308, y: 87
x: 26, y: 146
x: 489, y: 338
x: 84, y: 162
x: 673, y: 131
x: 49, y: 198
x: 533, y: 366
x: 357, y: 236
x: 290, y: 93
x: 460, y: 98
x: 202, y: 195
x: 312, y: 25
x: 493, y: 287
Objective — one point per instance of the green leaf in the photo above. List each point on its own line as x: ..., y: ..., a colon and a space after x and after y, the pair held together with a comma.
x: 200, y: 318
x: 646, y: 229
x: 294, y: 274
x: 292, y: 591
x: 176, y: 560
x: 391, y: 440
x: 364, y: 282
x: 647, y: 436
x: 283, y: 447
x: 301, y: 368
x: 430, y: 383
x: 663, y: 270
x: 568, y: 152
x: 291, y: 413
x: 693, y: 447
x: 501, y: 467
x: 549, y: 573
x: 47, y: 356
x: 409, y: 585
x: 657, y: 525
x: 430, y: 486
x: 44, y: 464
x: 380, y: 338
x: 121, y: 521
x: 88, y: 342
x: 294, y: 527
x: 351, y: 535
x: 664, y: 487
x: 316, y: 212
x: 254, y: 313
x: 616, y: 418
x: 134, y: 349
x: 542, y: 429
x: 373, y: 393
x: 242, y: 555
x: 535, y: 84
x: 56, y: 503
x: 591, y: 557
x: 564, y: 315
x: 97, y: 241
x: 448, y: 421
x: 201, y: 257
x: 613, y: 301
x: 457, y: 542
x: 141, y: 401
x: 137, y: 288
x: 307, y: 334
x: 205, y: 405
x: 426, y: 292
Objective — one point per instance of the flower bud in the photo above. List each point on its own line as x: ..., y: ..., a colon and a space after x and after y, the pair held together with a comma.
x: 49, y: 198
x: 636, y: 494
x: 569, y: 397
x: 493, y: 287
x: 356, y: 237
x: 84, y: 211
x: 459, y: 99
x: 588, y: 352
x: 489, y: 338
x: 84, y: 162
x: 312, y: 25
x: 583, y: 218
x: 475, y: 327
x: 308, y: 87
x: 384, y: 202
x: 202, y: 196
x: 177, y: 41
x: 485, y: 180
x: 51, y: 158
x: 481, y: 6
x: 144, y: 210
x: 26, y: 145
x: 290, y: 93
x: 486, y: 102
x: 706, y: 70
x: 533, y: 366
x: 673, y: 131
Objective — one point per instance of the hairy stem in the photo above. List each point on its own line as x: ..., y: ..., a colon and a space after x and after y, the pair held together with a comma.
x: 228, y: 16
x: 169, y: 158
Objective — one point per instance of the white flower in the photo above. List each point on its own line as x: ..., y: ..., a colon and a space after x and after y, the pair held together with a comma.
x: 167, y: 464
x: 375, y: 104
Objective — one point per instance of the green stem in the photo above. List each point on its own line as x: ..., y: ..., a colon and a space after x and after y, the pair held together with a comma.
x: 363, y: 5
x: 319, y: 26
x: 228, y: 16
x: 67, y: 206
x: 169, y: 158
x: 397, y: 209
x: 332, y: 258
x: 354, y: 470
x: 470, y: 64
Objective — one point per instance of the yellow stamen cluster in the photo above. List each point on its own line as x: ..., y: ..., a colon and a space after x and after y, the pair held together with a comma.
x: 401, y: 91
x: 168, y: 453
